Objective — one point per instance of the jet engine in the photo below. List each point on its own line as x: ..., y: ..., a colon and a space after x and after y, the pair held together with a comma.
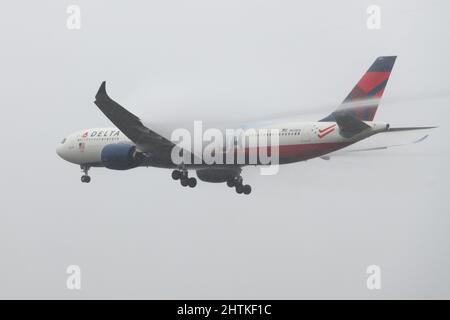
x: 120, y: 156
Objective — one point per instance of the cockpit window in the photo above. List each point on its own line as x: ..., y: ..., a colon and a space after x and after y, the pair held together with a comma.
x: 63, y: 140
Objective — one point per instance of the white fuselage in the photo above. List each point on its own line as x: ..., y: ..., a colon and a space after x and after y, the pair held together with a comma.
x: 298, y: 141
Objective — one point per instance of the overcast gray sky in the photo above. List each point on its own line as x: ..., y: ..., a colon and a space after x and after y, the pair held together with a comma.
x: 308, y: 232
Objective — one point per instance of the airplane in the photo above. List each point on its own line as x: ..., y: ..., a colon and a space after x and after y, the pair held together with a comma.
x: 131, y: 143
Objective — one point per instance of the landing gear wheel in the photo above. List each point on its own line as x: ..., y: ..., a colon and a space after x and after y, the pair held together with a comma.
x: 192, y: 182
x: 85, y: 178
x: 176, y: 174
x: 182, y: 175
x: 239, y: 188
x: 247, y: 189
x: 184, y: 181
x: 230, y: 183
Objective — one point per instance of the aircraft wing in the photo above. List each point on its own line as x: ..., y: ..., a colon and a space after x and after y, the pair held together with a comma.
x: 145, y: 139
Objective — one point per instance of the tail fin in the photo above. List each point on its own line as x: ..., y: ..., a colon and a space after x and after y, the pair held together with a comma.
x: 362, y: 101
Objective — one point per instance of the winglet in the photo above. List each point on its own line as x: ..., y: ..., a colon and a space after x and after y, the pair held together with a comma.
x: 101, y: 91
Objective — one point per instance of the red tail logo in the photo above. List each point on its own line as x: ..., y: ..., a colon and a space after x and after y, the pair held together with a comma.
x: 326, y: 131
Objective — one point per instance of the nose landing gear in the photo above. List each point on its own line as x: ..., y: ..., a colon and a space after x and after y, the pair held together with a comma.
x: 85, y: 178
x: 185, y: 181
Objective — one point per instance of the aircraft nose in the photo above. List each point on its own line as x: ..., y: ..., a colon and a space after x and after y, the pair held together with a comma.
x: 60, y: 151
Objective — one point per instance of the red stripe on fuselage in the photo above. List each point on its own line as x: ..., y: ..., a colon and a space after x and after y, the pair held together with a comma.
x: 300, y: 152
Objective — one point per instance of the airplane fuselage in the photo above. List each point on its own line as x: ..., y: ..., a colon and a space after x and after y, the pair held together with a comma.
x: 296, y: 141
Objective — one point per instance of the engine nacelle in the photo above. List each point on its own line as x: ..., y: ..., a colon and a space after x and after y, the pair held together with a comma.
x: 217, y: 174
x: 119, y: 156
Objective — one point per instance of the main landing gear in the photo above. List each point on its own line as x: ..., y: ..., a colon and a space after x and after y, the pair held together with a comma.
x: 237, y: 183
x: 85, y: 178
x: 182, y: 175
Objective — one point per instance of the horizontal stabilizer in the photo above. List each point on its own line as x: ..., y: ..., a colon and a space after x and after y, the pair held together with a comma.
x: 408, y: 129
